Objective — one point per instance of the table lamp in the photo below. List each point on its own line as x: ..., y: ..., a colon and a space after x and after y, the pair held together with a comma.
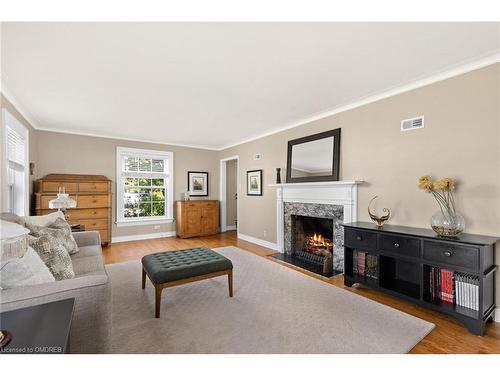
x: 14, y: 243
x: 62, y: 202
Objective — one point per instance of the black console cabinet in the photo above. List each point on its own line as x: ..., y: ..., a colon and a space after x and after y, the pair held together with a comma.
x: 404, y: 257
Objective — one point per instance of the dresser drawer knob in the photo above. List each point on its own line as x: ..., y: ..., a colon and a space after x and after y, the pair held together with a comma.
x: 359, y: 238
x: 448, y: 253
x: 396, y: 245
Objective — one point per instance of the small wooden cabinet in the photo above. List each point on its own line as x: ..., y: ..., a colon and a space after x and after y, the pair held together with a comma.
x: 93, y: 200
x: 197, y: 218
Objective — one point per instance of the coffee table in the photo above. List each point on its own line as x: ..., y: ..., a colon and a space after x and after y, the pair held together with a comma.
x: 40, y: 329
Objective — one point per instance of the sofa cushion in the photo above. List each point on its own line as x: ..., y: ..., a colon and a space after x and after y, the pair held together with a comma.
x: 28, y: 270
x: 59, y: 230
x: 43, y: 220
x: 13, y: 218
x: 88, y: 265
x: 54, y: 255
x: 87, y: 251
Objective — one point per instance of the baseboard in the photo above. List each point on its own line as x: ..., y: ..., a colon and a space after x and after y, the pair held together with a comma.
x: 147, y: 236
x: 258, y: 241
x: 231, y: 227
x: 496, y: 315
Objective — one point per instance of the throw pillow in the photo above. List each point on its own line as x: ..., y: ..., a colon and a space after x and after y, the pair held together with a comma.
x: 28, y: 270
x: 54, y: 255
x: 59, y: 230
x: 43, y: 220
x: 13, y: 218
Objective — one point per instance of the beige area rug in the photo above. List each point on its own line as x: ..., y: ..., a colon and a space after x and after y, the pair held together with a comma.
x: 274, y: 310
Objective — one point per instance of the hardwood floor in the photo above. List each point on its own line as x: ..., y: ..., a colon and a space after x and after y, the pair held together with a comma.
x: 449, y: 336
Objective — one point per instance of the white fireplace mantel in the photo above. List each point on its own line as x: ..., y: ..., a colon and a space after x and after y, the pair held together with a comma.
x: 344, y: 193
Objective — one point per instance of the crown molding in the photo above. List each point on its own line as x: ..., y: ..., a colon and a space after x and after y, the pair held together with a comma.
x: 17, y: 105
x: 140, y: 140
x: 455, y: 70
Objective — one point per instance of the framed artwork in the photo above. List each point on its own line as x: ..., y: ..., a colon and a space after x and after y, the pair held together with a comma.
x: 254, y: 182
x: 198, y: 184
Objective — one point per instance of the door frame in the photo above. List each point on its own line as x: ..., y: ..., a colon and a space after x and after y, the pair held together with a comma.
x: 222, y: 195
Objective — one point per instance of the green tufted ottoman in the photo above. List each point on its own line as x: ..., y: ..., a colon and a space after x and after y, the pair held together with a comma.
x: 172, y: 268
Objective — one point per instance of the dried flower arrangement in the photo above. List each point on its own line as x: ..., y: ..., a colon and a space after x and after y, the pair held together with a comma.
x: 450, y: 223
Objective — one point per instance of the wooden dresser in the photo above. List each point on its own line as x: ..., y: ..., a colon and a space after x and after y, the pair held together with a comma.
x: 93, y: 200
x: 197, y: 218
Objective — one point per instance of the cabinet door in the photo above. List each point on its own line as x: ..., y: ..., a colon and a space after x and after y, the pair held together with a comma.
x: 209, y: 219
x: 193, y: 219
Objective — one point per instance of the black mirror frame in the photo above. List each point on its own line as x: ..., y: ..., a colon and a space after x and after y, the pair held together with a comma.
x: 335, y: 133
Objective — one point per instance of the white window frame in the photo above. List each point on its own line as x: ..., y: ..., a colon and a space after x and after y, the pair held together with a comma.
x: 9, y: 120
x: 168, y: 218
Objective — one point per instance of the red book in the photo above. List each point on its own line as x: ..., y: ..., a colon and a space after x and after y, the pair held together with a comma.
x: 432, y: 282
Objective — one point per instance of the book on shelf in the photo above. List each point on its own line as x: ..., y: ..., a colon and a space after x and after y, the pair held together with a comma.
x: 364, y: 264
x: 371, y: 266
x: 361, y: 263
x: 467, y: 287
x: 454, y: 287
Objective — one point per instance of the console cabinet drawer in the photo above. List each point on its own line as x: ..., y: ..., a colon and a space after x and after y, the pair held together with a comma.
x: 400, y: 245
x: 360, y: 239
x: 461, y: 256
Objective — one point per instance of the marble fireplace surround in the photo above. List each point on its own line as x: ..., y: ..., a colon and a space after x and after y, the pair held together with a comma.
x: 332, y: 199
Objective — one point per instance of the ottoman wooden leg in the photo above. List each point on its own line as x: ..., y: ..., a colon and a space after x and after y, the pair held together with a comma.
x: 143, y: 278
x: 158, y: 291
x: 230, y: 282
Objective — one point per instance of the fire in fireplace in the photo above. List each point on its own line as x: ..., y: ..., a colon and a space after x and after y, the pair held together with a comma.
x: 312, y: 240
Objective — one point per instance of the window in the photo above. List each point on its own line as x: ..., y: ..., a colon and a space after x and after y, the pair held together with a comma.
x: 144, y: 185
x: 15, y: 177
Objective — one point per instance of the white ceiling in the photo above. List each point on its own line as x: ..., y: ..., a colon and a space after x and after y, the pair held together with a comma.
x: 213, y: 85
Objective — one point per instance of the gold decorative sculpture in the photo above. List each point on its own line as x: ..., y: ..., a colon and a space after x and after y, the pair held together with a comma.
x: 379, y: 220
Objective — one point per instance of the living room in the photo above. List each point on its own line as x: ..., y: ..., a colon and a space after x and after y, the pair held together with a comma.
x: 238, y: 188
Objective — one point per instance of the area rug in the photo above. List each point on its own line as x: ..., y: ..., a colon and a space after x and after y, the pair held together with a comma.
x: 275, y: 309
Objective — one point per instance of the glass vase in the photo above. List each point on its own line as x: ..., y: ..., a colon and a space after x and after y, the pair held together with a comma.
x: 447, y: 224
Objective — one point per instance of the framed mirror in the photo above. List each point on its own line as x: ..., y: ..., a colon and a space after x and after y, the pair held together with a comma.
x: 314, y: 158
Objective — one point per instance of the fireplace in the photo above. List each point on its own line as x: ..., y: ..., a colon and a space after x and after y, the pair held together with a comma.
x: 327, y: 204
x: 312, y: 241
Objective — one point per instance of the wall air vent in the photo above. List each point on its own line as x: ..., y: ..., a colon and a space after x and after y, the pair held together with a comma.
x: 412, y: 123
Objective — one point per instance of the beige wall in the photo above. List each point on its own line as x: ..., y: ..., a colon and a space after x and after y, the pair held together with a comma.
x: 231, y: 206
x: 461, y: 139
x: 33, y: 143
x: 67, y: 153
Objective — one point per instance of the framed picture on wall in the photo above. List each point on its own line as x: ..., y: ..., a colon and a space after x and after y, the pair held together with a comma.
x: 198, y: 184
x: 254, y: 182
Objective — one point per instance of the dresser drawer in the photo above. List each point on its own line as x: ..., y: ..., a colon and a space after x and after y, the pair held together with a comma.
x: 91, y: 224
x: 45, y: 199
x: 87, y: 213
x: 360, y: 239
x: 455, y: 255
x: 90, y: 201
x: 86, y: 187
x: 53, y: 186
x: 399, y: 245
